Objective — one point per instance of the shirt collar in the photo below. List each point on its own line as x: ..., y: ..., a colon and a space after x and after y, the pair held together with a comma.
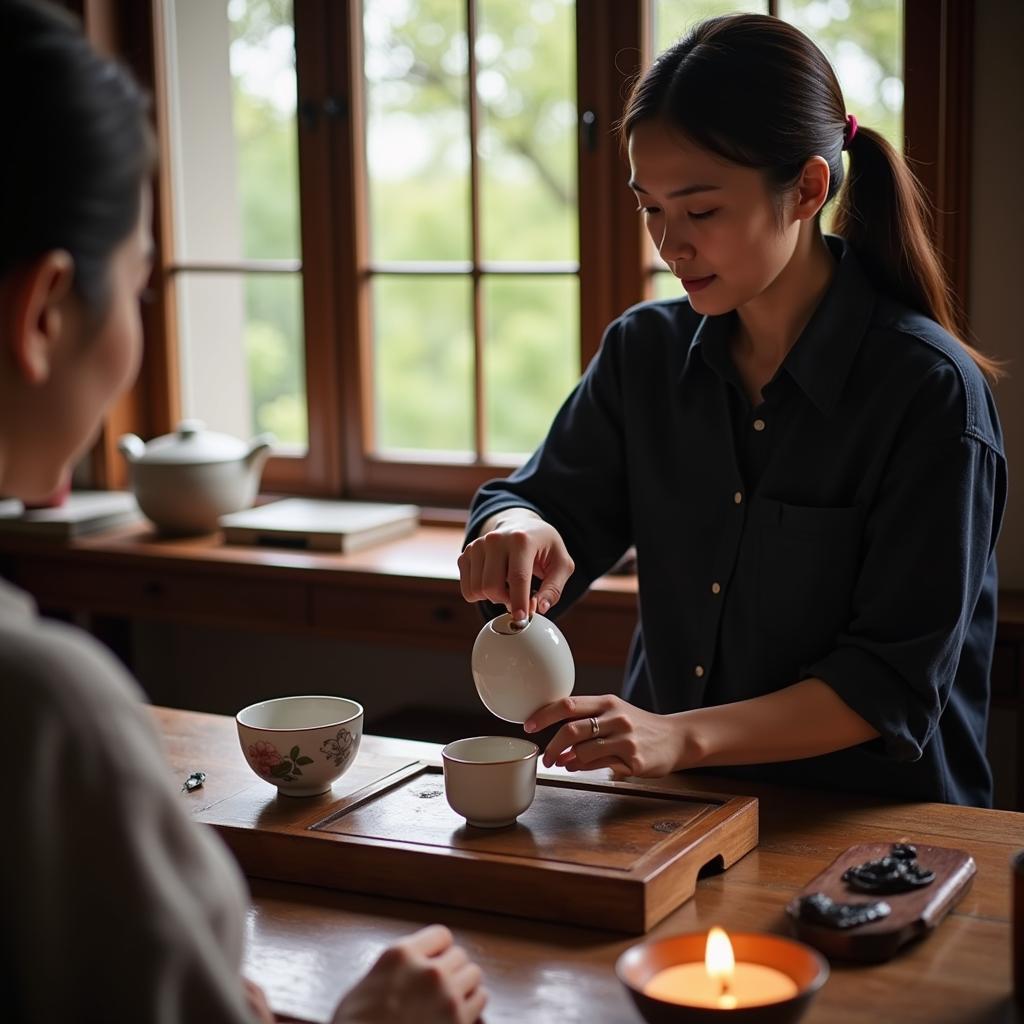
x: 821, y: 359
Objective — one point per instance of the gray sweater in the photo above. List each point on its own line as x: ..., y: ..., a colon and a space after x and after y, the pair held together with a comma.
x: 114, y: 905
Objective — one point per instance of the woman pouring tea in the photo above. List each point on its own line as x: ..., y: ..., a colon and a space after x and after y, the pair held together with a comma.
x: 804, y: 453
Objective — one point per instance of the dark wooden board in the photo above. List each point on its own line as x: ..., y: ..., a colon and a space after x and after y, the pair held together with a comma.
x: 561, y: 826
x: 612, y: 855
x: 914, y: 913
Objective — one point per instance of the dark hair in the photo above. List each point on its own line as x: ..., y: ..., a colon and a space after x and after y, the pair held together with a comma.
x: 78, y: 146
x: 756, y: 91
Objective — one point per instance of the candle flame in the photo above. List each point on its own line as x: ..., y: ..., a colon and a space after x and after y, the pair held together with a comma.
x: 718, y: 957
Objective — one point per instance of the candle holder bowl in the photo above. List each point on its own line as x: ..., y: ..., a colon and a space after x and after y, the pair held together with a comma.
x: 640, y: 963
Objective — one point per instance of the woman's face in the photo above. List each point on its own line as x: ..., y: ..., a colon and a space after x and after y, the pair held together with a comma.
x: 56, y: 419
x: 714, y: 223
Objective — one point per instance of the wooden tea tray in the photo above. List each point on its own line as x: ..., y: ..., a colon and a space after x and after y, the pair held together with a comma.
x: 607, y: 854
x: 914, y: 913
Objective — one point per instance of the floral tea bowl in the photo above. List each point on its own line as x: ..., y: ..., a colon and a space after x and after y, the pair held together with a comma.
x: 302, y: 745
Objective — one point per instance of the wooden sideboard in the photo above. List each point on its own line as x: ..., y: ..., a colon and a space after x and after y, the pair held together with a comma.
x: 402, y: 593
x: 1008, y: 675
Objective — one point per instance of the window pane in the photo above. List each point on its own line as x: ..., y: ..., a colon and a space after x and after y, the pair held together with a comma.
x: 233, y: 129
x: 417, y: 129
x: 526, y: 90
x: 531, y: 356
x: 241, y: 353
x: 423, y: 363
x: 674, y: 18
x: 864, y: 42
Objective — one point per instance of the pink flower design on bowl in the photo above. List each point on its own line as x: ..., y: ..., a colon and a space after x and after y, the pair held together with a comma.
x: 263, y: 757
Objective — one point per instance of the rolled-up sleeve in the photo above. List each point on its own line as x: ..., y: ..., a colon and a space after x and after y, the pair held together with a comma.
x: 577, y: 479
x: 928, y: 547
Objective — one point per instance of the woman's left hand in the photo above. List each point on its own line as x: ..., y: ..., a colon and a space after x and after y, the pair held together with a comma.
x: 607, y: 732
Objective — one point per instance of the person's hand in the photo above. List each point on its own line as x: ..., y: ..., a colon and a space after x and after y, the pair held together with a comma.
x: 500, y: 565
x: 257, y: 1002
x: 607, y: 732
x: 422, y: 979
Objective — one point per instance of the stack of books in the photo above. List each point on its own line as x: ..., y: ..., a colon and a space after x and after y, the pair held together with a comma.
x: 317, y: 525
x: 82, y: 512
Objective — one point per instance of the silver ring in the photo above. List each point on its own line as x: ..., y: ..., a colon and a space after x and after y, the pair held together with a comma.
x: 595, y: 727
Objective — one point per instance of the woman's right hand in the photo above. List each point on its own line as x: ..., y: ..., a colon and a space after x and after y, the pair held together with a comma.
x: 500, y: 564
x: 422, y: 979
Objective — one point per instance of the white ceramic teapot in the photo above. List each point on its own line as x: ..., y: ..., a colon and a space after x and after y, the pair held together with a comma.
x: 520, y: 668
x: 187, y: 480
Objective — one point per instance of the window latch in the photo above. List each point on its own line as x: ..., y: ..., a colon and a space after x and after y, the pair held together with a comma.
x: 588, y: 130
x: 311, y: 110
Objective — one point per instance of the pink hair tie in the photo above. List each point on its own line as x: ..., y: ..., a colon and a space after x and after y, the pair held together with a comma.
x: 851, y: 130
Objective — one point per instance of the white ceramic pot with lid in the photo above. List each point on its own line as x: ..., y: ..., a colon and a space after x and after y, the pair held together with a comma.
x: 187, y: 480
x: 519, y: 667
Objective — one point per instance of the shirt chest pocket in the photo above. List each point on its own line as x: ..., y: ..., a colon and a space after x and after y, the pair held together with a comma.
x: 808, y: 566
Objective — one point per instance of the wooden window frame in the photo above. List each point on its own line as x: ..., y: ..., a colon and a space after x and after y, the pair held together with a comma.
x: 368, y: 475
x: 938, y: 67
x: 938, y: 79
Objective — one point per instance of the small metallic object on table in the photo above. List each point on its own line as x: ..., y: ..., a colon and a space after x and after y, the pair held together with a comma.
x: 194, y: 781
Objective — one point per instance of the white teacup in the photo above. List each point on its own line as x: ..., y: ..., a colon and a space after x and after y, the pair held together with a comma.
x: 302, y: 745
x: 518, y: 669
x: 490, y: 780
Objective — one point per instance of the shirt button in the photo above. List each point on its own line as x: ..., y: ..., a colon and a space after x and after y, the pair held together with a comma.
x: 698, y: 671
x: 716, y: 588
x: 759, y: 425
x: 737, y: 497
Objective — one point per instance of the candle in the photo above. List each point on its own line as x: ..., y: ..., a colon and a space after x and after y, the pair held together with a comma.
x: 719, y: 982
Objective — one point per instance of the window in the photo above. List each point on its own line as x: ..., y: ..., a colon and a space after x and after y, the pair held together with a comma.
x: 236, y: 260
x: 401, y: 276
x: 473, y: 242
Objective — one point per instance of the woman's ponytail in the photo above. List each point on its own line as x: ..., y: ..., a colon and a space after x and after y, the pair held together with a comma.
x: 883, y: 214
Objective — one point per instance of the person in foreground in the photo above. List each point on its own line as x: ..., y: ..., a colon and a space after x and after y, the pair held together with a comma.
x: 115, y: 907
x: 804, y: 453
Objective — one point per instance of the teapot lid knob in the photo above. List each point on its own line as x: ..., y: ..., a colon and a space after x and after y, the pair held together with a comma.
x: 507, y: 626
x: 189, y: 428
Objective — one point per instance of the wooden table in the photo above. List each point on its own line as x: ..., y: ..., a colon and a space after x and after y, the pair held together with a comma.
x: 307, y: 945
